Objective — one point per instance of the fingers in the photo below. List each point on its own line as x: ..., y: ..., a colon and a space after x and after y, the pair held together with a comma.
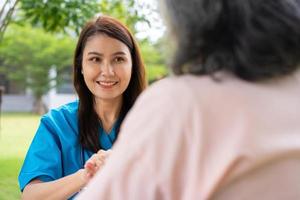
x: 104, y: 154
x: 96, y: 162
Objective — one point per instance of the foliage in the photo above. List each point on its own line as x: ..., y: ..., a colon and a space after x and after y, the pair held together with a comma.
x: 151, y: 52
x: 154, y: 60
x: 125, y: 11
x: 73, y: 14
x: 156, y: 72
x: 28, y: 54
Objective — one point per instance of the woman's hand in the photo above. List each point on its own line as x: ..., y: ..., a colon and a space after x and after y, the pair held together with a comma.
x: 95, y: 163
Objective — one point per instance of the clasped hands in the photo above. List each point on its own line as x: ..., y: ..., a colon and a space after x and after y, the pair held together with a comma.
x: 94, y: 163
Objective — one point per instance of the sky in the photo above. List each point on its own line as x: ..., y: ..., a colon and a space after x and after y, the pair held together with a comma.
x: 157, y: 28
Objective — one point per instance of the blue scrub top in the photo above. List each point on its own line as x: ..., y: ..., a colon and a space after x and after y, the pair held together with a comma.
x: 55, y: 150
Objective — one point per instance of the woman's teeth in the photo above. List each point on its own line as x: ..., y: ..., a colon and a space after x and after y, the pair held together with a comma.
x: 106, y: 83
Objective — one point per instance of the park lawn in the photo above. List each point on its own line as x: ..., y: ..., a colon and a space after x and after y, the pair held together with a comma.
x: 17, y: 130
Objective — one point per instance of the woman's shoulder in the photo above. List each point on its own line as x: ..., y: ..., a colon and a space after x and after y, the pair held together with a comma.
x: 196, y: 90
x: 65, y: 114
x: 185, y: 83
x: 181, y: 87
x: 170, y: 93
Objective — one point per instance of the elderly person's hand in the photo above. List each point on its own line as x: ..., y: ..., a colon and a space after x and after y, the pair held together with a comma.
x: 95, y: 163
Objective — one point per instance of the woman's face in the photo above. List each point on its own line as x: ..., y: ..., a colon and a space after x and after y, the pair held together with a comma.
x: 106, y: 67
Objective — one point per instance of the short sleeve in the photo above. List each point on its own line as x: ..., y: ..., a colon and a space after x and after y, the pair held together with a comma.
x: 43, y: 159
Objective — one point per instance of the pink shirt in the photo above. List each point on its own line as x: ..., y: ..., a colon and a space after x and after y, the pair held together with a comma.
x: 192, y: 138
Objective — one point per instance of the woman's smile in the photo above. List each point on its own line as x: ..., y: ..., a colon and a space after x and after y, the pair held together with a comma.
x: 106, y: 67
x: 107, y: 84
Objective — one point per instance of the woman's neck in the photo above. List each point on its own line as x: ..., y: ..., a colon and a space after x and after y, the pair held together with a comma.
x: 108, y: 111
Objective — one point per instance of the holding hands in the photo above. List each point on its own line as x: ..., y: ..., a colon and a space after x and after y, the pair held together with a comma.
x: 95, y: 163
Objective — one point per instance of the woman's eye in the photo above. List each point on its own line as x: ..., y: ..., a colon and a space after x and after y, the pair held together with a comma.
x: 119, y: 60
x: 94, y: 59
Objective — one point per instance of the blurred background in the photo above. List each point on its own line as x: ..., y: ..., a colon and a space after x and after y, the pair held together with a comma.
x: 37, y: 41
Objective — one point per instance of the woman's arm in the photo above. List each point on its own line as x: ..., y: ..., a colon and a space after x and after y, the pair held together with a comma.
x: 65, y: 187
x: 62, y: 188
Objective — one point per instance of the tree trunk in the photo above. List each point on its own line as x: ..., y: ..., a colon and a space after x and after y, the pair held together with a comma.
x: 6, y: 13
x: 39, y: 107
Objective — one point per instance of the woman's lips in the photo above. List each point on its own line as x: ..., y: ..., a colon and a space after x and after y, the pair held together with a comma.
x: 107, y: 84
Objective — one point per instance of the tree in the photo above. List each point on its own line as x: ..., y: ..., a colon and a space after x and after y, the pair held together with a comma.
x: 6, y: 13
x: 27, y: 59
x: 27, y: 55
x: 154, y: 59
x: 58, y: 15
x: 126, y: 11
x: 71, y: 15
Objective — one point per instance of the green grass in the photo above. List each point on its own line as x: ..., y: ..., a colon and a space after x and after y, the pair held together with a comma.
x: 17, y: 130
x: 9, y: 188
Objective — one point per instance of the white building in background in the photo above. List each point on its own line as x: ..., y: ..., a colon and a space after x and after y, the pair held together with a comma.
x: 16, y: 99
x: 61, y: 95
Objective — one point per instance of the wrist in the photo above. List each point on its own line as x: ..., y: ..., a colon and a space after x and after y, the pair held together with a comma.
x: 82, y: 176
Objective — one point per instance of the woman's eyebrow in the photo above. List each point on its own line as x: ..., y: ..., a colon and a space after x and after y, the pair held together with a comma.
x: 95, y: 53
x: 119, y: 53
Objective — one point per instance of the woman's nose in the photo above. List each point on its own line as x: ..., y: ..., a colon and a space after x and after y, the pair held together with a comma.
x: 106, y: 69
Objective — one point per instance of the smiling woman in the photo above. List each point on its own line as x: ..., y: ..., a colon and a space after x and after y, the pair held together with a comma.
x: 106, y: 67
x: 71, y: 143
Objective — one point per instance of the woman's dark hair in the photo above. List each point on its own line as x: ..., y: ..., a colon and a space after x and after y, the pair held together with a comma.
x: 88, y: 119
x: 253, y: 39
